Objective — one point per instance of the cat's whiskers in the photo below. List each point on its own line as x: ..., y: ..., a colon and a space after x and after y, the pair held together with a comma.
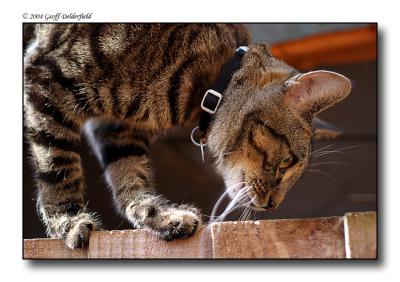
x: 240, y: 204
x: 242, y: 214
x: 236, y: 202
x: 326, y: 152
x: 323, y: 148
x: 247, y: 210
x: 327, y: 163
x: 233, y: 201
x: 248, y: 213
x: 321, y: 152
x: 220, y: 199
x: 233, y: 205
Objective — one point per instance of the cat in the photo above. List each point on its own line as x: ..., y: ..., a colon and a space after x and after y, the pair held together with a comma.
x: 125, y: 84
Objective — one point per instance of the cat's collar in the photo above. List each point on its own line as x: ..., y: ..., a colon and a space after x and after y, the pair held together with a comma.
x: 213, y: 97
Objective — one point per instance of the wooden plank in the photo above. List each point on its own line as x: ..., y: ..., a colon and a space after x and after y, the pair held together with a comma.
x: 360, y: 234
x: 145, y: 244
x: 351, y: 236
x: 51, y: 249
x: 329, y: 49
x: 285, y: 238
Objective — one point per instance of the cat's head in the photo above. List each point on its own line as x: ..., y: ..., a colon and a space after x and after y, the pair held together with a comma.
x: 261, y: 135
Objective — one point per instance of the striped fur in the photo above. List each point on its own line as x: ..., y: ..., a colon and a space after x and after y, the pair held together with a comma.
x: 124, y: 84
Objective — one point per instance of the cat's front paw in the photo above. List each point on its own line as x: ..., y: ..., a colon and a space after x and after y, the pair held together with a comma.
x: 169, y: 221
x: 75, y: 230
x: 179, y: 222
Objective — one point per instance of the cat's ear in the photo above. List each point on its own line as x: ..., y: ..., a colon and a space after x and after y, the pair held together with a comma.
x: 312, y: 92
x: 325, y: 130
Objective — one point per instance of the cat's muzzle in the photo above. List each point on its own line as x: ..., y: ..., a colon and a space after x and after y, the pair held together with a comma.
x: 265, y: 201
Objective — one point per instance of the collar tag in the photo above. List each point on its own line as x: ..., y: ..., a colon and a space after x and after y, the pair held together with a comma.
x: 211, y: 101
x: 200, y: 143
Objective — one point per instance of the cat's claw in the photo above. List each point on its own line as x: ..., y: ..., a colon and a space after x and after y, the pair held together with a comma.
x: 75, y: 230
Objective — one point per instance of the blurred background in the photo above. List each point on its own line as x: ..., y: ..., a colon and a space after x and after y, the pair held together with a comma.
x: 342, y: 180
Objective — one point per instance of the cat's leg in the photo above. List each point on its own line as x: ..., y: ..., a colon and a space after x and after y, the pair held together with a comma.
x: 123, y: 153
x: 55, y: 140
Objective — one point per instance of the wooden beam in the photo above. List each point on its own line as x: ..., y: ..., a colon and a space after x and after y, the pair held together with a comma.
x: 145, y: 244
x: 281, y: 238
x: 329, y: 49
x: 360, y: 233
x: 51, y: 249
x: 290, y: 238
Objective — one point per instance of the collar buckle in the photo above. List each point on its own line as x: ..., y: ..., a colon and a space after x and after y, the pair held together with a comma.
x: 211, y: 101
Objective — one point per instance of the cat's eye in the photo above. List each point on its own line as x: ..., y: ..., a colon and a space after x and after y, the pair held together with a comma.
x: 285, y: 163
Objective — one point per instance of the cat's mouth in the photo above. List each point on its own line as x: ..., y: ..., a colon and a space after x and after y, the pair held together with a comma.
x: 255, y: 208
x: 264, y: 202
x: 270, y: 206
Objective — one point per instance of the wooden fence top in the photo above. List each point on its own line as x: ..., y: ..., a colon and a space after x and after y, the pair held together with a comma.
x: 350, y: 236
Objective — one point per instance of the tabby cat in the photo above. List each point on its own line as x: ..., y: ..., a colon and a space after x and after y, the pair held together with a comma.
x: 124, y: 84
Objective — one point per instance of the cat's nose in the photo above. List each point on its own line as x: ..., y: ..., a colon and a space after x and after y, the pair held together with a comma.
x: 268, y: 202
x: 271, y: 204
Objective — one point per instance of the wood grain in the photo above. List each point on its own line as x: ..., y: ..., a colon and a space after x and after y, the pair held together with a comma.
x: 51, y: 249
x: 145, y: 244
x: 292, y: 238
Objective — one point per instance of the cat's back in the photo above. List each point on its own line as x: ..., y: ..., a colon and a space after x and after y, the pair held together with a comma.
x: 91, y: 52
x: 109, y: 41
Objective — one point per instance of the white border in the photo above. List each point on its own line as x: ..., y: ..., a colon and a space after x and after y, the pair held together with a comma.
x: 384, y: 12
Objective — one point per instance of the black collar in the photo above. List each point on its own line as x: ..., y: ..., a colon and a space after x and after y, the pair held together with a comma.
x: 212, y: 98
